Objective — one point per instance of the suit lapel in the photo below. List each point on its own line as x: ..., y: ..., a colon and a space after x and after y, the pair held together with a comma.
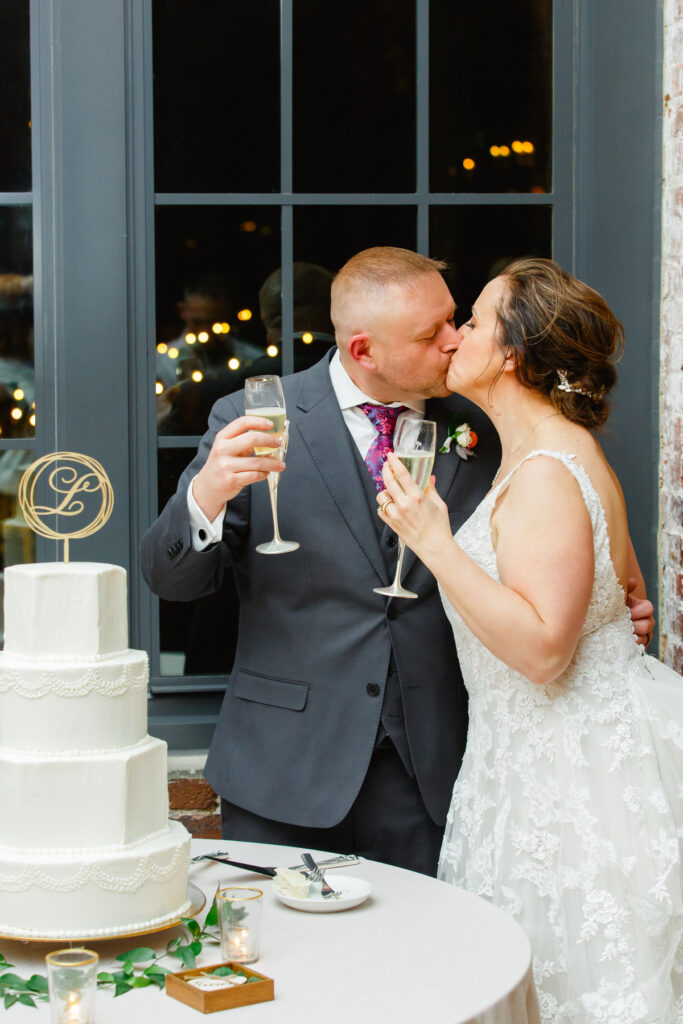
x: 445, y: 466
x: 331, y: 448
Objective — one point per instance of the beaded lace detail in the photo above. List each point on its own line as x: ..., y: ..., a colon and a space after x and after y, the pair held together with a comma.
x: 94, y: 679
x: 90, y: 873
x: 568, y: 810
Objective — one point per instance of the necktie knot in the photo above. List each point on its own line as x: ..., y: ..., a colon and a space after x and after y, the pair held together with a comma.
x: 383, y: 419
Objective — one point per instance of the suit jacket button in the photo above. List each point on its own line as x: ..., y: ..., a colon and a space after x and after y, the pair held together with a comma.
x: 373, y: 689
x: 170, y: 552
x: 392, y: 613
x: 391, y: 540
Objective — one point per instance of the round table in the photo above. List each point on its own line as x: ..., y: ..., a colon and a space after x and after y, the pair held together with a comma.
x: 416, y: 950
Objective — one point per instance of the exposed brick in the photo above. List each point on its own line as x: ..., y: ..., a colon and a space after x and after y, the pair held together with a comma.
x: 191, y: 794
x: 201, y: 825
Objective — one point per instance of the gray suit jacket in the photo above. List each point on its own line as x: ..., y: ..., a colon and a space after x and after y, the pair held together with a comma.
x: 300, y: 716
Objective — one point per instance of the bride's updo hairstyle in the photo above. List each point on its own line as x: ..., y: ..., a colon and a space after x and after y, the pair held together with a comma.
x: 564, y: 337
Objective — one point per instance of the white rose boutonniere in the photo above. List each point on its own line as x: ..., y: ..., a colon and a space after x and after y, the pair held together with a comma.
x: 465, y: 438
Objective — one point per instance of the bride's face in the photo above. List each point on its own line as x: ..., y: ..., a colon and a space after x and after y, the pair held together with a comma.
x: 477, y: 362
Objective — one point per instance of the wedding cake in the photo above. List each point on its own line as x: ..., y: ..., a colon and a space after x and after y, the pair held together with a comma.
x: 86, y: 847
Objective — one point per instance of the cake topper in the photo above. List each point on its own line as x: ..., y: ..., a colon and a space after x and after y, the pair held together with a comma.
x: 71, y: 477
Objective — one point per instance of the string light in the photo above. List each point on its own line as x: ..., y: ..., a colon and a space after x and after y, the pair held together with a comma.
x: 528, y: 147
x: 504, y: 150
x: 197, y: 375
x: 18, y: 394
x: 217, y: 328
x: 190, y: 338
x: 159, y: 387
x: 307, y: 338
x: 272, y: 351
x: 203, y: 337
x: 248, y: 226
x: 517, y: 146
x: 31, y: 419
x: 494, y: 151
x: 468, y: 163
x: 162, y: 348
x: 173, y: 353
x: 226, y: 327
x: 16, y: 413
x: 244, y: 314
x: 234, y: 363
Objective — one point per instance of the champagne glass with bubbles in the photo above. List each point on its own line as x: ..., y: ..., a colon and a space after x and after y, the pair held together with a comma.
x: 414, y: 444
x: 263, y: 397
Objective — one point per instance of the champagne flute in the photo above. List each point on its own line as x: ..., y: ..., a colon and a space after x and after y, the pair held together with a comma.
x: 414, y: 444
x: 263, y: 397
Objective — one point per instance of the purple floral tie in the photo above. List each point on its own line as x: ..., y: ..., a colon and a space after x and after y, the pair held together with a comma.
x: 383, y: 419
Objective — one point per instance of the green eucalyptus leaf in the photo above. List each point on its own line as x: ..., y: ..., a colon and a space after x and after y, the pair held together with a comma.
x: 191, y: 925
x: 142, y: 982
x: 28, y: 1000
x: 187, y: 956
x: 136, y: 956
x: 10, y: 1000
x: 212, y: 916
x: 155, y: 969
x: 14, y: 981
x: 196, y: 947
x: 128, y: 969
x: 160, y: 980
x: 122, y: 987
x: 105, y: 978
x: 37, y: 983
x: 173, y: 944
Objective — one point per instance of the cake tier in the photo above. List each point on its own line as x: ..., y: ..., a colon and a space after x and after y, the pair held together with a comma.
x: 62, y: 896
x: 83, y: 801
x: 77, y: 707
x: 74, y: 610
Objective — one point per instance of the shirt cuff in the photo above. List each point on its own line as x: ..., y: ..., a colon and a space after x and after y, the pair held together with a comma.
x: 202, y: 531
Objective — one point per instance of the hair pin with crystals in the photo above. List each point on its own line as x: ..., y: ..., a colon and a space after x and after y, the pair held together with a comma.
x: 564, y: 385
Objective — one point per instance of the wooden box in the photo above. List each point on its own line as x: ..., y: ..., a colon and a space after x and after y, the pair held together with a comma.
x: 225, y: 998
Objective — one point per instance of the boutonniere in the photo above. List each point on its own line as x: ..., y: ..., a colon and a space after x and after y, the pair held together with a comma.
x: 463, y: 435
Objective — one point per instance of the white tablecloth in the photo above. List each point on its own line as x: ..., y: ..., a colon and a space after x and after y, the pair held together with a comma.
x: 417, y: 952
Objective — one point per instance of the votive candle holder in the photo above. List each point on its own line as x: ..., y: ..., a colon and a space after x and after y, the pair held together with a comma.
x: 239, y: 919
x: 72, y: 983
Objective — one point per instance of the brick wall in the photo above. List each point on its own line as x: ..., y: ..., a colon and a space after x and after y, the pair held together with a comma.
x: 671, y: 380
x: 191, y: 799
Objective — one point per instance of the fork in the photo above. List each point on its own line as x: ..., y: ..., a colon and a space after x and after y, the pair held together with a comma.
x: 316, y: 875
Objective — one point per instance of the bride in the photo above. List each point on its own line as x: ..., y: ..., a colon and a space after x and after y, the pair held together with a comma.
x: 568, y: 810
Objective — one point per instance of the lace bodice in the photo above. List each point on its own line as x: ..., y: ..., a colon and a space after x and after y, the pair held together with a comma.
x: 568, y: 809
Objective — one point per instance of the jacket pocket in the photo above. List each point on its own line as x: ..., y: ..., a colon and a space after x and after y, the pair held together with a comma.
x: 279, y: 693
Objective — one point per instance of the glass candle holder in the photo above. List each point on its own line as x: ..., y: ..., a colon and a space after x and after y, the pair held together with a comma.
x: 239, y: 918
x: 72, y: 982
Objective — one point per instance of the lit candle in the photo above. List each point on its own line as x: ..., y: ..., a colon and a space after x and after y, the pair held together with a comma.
x: 72, y: 1010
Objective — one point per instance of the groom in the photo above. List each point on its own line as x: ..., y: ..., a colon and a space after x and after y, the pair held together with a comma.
x: 344, y: 722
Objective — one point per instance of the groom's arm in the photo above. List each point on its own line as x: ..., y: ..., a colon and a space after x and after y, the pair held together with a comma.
x: 641, y: 610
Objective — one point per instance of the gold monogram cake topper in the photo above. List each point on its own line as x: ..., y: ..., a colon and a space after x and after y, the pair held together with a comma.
x: 71, y: 477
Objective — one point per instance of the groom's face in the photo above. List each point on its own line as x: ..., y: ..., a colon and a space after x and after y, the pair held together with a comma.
x: 414, y: 338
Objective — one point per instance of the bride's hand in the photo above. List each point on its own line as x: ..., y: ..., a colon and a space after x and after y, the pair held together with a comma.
x: 420, y: 518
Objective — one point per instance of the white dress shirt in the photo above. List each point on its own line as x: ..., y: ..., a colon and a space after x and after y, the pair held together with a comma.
x: 350, y: 397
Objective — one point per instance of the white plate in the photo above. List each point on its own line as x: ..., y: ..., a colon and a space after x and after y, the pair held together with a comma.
x: 352, y: 892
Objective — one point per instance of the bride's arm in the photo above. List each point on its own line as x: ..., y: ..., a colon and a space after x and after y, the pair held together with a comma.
x: 532, y: 619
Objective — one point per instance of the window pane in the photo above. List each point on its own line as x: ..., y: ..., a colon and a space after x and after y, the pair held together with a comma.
x: 216, y: 96
x: 17, y: 539
x: 330, y: 235
x: 15, y: 97
x: 478, y: 242
x: 17, y: 376
x: 354, y: 96
x: 491, y: 96
x: 211, y: 263
x: 196, y: 637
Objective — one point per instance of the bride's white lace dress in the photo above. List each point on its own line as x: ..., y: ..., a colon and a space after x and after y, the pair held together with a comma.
x: 568, y: 810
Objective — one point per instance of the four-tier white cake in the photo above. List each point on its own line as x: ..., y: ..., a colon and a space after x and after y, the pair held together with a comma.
x: 86, y: 847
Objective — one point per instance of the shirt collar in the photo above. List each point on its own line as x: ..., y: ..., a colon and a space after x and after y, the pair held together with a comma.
x: 349, y: 395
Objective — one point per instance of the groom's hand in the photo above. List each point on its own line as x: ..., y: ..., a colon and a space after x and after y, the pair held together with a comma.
x: 232, y: 465
x: 642, y: 614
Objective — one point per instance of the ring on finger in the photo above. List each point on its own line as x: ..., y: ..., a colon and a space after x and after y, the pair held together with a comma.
x: 385, y: 504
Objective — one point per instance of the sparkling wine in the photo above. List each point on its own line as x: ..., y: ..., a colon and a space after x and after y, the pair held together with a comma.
x: 277, y: 417
x: 419, y: 465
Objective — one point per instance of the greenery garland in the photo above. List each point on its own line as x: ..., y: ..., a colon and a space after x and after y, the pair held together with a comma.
x: 28, y: 992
